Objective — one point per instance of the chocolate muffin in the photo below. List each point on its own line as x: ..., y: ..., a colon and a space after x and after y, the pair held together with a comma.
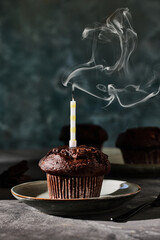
x: 74, y: 172
x: 140, y: 145
x: 86, y: 134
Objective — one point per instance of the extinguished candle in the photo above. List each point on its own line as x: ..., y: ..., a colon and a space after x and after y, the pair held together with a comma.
x: 72, y: 141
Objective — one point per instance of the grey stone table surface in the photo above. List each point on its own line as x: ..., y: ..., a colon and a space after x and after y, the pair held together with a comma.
x: 19, y: 221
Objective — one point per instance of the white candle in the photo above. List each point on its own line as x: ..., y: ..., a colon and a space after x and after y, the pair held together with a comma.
x: 72, y: 141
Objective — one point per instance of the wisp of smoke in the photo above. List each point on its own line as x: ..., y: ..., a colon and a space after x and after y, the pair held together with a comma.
x: 117, y: 26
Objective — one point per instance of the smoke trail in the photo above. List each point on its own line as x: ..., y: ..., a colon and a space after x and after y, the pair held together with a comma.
x: 116, y: 28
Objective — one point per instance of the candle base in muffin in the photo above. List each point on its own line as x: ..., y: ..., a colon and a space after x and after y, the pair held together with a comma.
x: 74, y: 172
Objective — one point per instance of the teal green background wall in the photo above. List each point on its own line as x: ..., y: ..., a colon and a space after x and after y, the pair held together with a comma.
x: 39, y: 42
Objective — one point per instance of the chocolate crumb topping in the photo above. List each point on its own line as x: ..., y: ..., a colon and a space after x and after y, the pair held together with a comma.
x: 79, y: 161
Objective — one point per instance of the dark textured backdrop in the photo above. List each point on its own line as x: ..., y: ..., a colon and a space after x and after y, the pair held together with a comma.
x: 39, y: 41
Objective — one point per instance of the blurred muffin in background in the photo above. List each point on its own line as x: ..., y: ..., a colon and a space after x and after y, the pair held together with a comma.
x: 140, y: 145
x: 86, y: 134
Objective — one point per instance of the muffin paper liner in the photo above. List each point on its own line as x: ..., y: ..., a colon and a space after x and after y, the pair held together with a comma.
x: 73, y: 187
x: 141, y: 156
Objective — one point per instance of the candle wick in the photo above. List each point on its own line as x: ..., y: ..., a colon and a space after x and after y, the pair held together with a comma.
x: 72, y: 95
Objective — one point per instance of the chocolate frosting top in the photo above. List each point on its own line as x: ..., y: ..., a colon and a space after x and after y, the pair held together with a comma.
x: 79, y: 161
x: 139, y: 138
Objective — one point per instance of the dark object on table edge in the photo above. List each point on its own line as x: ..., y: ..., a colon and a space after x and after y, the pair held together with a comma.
x: 86, y: 134
x: 14, y: 175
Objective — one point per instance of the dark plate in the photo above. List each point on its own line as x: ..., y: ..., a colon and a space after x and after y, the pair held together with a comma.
x: 114, y: 193
x: 120, y: 169
x: 135, y: 170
